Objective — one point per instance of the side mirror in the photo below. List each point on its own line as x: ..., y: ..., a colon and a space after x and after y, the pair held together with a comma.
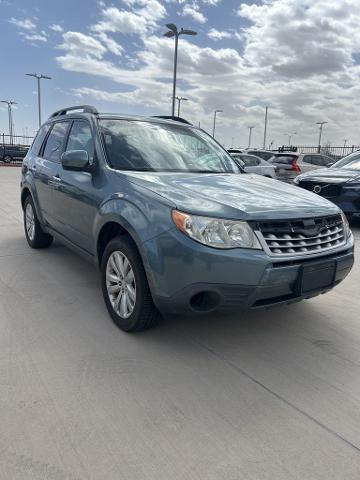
x: 77, y: 160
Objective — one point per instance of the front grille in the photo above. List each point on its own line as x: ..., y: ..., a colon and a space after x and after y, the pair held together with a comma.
x: 324, y: 189
x: 299, y: 237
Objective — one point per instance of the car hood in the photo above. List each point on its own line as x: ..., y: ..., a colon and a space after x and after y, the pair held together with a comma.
x: 331, y: 175
x: 233, y: 195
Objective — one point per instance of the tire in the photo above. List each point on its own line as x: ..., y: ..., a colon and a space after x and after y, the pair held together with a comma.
x: 129, y: 304
x: 35, y: 235
x: 7, y: 159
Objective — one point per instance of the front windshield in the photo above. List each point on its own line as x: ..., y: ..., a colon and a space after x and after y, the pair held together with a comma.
x: 147, y: 146
x: 351, y: 162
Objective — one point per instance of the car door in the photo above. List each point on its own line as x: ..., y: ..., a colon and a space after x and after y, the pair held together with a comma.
x: 306, y: 163
x: 78, y: 194
x: 266, y: 169
x: 46, y: 169
x: 251, y: 164
x: 321, y: 161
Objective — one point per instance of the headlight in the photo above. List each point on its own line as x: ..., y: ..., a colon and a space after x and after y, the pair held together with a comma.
x: 216, y: 232
x: 346, y: 225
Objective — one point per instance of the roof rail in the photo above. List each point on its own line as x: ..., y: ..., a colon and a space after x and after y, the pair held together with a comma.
x: 84, y: 108
x: 172, y: 117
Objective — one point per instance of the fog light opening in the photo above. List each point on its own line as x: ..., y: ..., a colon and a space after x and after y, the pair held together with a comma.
x: 204, y: 301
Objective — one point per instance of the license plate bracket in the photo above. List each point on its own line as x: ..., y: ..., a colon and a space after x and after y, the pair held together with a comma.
x: 316, y: 276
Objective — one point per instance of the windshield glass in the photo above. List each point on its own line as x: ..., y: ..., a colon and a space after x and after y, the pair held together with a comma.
x: 351, y: 162
x: 146, y: 146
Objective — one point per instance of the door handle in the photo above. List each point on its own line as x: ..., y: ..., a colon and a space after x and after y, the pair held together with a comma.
x: 54, y: 181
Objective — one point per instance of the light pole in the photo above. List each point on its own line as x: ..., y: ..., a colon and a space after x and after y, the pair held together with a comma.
x: 38, y: 77
x: 174, y: 32
x: 289, y: 135
x: 214, y: 124
x: 250, y: 134
x: 345, y: 142
x: 180, y: 99
x: 321, y: 124
x: 10, y: 103
x: 265, y: 126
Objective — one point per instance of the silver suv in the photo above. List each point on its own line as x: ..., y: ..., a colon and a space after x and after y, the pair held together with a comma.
x: 291, y: 164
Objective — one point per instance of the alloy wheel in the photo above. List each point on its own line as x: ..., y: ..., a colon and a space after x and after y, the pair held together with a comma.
x: 120, y: 284
x: 30, y: 222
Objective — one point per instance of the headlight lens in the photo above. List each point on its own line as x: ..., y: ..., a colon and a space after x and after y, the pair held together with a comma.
x: 346, y: 225
x: 216, y: 232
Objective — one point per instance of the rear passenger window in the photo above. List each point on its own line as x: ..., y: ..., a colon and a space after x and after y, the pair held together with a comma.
x: 55, y: 141
x: 318, y: 160
x: 307, y: 159
x: 80, y: 138
x: 40, y: 137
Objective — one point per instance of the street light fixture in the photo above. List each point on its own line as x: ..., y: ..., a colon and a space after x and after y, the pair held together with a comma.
x: 321, y: 124
x: 250, y: 134
x: 214, y: 124
x: 38, y: 77
x: 10, y: 103
x: 180, y: 99
x: 174, y: 32
x: 289, y: 135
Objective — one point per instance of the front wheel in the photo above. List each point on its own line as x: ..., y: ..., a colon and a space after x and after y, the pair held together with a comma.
x: 125, y: 287
x: 35, y: 235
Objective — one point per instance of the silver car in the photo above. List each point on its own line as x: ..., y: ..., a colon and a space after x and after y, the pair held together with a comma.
x: 291, y: 164
x: 253, y: 164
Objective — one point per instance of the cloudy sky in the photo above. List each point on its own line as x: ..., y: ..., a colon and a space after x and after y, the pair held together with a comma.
x: 300, y: 57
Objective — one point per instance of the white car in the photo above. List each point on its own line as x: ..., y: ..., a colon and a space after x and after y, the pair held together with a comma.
x: 253, y: 164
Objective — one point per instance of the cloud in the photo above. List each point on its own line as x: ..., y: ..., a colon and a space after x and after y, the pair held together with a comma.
x: 80, y: 45
x: 297, y: 56
x: 28, y: 30
x: 25, y: 23
x: 56, y: 28
x: 110, y: 43
x: 219, y: 35
x: 142, y: 18
x: 35, y: 37
x: 193, y: 11
x: 302, y: 38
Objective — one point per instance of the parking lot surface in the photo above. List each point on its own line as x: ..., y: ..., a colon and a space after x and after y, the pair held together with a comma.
x: 272, y: 394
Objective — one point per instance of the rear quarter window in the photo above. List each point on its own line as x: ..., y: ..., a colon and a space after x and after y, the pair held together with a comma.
x: 39, y: 139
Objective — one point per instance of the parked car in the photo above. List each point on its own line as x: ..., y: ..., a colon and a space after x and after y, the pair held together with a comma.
x: 264, y: 154
x: 9, y: 153
x: 340, y: 183
x: 253, y: 164
x: 290, y: 165
x: 161, y: 208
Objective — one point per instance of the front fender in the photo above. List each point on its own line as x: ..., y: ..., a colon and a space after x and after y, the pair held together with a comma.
x: 142, y: 220
x: 28, y: 183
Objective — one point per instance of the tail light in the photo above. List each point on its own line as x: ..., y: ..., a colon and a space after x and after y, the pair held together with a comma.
x: 294, y: 166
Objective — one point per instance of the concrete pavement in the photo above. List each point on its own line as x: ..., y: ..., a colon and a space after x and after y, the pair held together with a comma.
x: 266, y: 395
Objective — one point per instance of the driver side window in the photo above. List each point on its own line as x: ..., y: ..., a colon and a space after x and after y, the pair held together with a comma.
x: 80, y: 138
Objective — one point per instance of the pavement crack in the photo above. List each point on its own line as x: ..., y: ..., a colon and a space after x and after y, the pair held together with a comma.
x: 278, y: 396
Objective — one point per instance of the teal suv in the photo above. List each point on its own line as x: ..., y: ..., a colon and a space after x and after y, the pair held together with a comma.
x: 172, y: 222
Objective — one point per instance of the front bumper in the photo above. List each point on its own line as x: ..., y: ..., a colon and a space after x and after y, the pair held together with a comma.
x: 187, y: 277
